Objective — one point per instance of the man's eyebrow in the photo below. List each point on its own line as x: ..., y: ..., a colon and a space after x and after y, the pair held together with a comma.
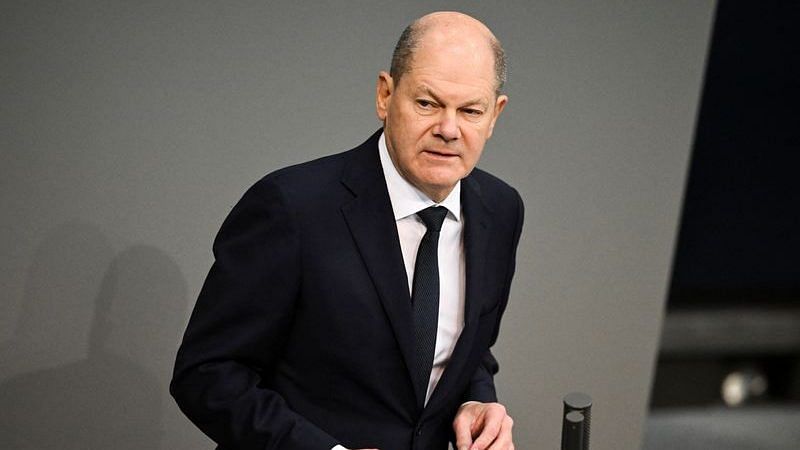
x: 428, y: 91
x: 475, y: 101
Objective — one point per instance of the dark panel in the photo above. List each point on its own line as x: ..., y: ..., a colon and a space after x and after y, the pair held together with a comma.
x: 739, y: 241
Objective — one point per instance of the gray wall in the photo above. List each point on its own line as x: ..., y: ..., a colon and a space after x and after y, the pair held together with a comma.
x: 129, y: 129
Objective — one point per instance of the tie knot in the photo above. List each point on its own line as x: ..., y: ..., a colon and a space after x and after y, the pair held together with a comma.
x: 433, y: 217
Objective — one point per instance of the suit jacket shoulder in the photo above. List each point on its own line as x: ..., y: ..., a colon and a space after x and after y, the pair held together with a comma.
x: 309, y: 182
x: 494, y: 191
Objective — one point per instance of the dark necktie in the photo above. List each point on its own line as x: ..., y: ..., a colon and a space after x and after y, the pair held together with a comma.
x: 425, y: 297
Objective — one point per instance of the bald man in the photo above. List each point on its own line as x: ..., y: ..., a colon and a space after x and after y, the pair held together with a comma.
x: 354, y: 299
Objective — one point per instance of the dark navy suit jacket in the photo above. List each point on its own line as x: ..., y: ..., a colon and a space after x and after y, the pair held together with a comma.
x: 302, y: 337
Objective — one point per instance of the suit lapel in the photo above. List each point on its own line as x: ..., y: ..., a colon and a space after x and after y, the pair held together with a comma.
x: 371, y: 221
x: 476, y: 239
x: 477, y: 229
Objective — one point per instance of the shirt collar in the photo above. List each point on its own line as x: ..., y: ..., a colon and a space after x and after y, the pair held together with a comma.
x: 407, y: 199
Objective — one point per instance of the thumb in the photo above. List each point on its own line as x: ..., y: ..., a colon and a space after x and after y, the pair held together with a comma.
x: 463, y: 431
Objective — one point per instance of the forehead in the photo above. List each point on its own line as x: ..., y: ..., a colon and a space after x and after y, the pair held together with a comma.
x: 460, y: 66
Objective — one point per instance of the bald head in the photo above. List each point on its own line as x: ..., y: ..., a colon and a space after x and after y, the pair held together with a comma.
x: 439, y: 28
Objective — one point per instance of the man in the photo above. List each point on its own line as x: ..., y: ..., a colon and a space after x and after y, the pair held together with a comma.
x: 354, y: 299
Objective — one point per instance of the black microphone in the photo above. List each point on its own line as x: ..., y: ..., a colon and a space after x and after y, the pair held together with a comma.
x: 576, y: 422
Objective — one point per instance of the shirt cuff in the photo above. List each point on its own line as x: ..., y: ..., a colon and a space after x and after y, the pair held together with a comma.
x: 338, y: 447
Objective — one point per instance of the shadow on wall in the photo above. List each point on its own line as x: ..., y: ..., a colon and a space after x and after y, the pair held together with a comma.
x: 112, y: 395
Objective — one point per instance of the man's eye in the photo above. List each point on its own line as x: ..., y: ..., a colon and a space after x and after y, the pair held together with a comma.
x: 473, y: 112
x: 425, y: 104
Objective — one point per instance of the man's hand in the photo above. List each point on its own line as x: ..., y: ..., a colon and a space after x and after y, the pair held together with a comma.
x: 483, y: 426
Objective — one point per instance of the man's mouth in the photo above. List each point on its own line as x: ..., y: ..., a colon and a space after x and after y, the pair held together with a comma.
x: 440, y: 154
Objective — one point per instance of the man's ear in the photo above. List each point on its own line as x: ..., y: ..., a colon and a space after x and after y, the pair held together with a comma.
x: 499, y: 105
x: 383, y: 94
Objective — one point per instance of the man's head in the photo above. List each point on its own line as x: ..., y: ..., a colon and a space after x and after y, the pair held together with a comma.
x: 441, y: 100
x: 410, y: 40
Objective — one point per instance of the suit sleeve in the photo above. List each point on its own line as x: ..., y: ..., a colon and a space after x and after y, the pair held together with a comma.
x: 481, y: 387
x: 237, y: 330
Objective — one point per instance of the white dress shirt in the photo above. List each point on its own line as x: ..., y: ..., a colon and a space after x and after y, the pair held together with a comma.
x: 407, y: 200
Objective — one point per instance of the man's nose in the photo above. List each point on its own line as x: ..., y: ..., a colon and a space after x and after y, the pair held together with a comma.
x: 447, y: 129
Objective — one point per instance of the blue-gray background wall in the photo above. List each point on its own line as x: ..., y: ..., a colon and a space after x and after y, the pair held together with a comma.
x: 129, y: 129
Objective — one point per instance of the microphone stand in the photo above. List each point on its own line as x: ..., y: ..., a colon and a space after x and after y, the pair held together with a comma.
x: 576, y: 421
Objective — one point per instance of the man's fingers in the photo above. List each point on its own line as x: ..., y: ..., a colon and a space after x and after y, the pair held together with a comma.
x: 492, y: 422
x: 462, y: 426
x: 483, y: 426
x: 504, y: 439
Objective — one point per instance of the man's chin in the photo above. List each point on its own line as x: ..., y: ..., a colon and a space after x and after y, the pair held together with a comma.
x: 438, y: 190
